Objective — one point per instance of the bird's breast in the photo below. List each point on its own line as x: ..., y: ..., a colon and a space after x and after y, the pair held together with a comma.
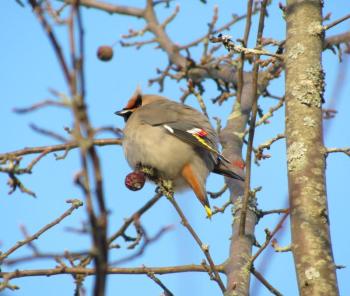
x: 153, y: 146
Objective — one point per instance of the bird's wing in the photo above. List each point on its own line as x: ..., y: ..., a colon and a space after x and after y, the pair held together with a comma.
x: 200, y: 137
x: 183, y: 122
x: 191, y: 134
x: 163, y: 112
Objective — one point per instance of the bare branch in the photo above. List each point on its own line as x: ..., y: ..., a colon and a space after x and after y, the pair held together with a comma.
x: 146, y: 243
x: 204, y: 248
x: 40, y: 105
x: 219, y: 193
x: 245, y: 201
x: 228, y: 25
x: 267, y: 145
x: 197, y: 94
x: 230, y: 46
x: 75, y: 205
x: 278, y: 248
x: 336, y: 40
x: 278, y: 211
x: 345, y: 150
x: 240, y: 76
x: 329, y: 113
x: 270, y: 113
x: 110, y: 8
x: 48, y: 133
x: 138, y: 44
x: 336, y: 22
x: 15, y: 183
x: 43, y: 256
x: 167, y: 292
x: 222, y: 208
x: 137, y: 214
x: 269, y: 237
x: 114, y: 270
x: 169, y: 19
x: 53, y: 39
x: 55, y: 148
x: 260, y: 277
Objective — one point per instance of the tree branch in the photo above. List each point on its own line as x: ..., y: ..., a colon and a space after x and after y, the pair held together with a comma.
x: 75, y: 205
x: 55, y: 148
x: 114, y: 270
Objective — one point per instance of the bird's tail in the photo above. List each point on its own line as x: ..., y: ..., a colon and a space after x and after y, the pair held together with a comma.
x: 197, y: 187
x: 222, y: 169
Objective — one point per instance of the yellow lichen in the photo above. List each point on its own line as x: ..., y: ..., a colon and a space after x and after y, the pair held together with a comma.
x: 315, y: 28
x: 309, y: 121
x: 310, y: 89
x: 296, y: 156
x: 296, y: 51
x: 312, y: 273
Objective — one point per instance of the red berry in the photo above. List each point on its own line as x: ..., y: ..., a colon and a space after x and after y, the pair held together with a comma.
x: 135, y: 181
x: 105, y: 53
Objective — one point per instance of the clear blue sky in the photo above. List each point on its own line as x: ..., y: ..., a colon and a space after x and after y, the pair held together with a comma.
x: 28, y: 68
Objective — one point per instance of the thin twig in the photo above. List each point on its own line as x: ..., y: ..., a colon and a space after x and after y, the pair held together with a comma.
x: 171, y: 17
x: 137, y: 214
x: 28, y: 170
x: 50, y: 33
x: 167, y: 292
x: 280, y: 249
x: 267, y: 145
x: 199, y: 98
x: 75, y: 205
x: 245, y: 42
x: 260, y: 277
x: 227, y: 26
x: 269, y: 114
x: 269, y: 238
x: 232, y: 47
x: 48, y: 133
x: 40, y: 105
x: 146, y: 243
x: 111, y: 270
x: 218, y: 193
x: 345, y: 150
x: 204, y: 247
x: 222, y: 208
x: 43, y: 256
x: 85, y: 261
x: 278, y: 211
x: 30, y: 244
x: 84, y: 134
x: 245, y: 201
x: 336, y: 22
x: 55, y: 148
x: 110, y: 8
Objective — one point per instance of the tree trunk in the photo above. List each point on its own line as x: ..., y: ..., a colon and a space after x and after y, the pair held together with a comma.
x: 311, y: 243
x: 237, y: 267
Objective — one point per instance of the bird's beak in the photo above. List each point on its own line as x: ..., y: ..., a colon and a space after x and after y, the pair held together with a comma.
x: 123, y: 112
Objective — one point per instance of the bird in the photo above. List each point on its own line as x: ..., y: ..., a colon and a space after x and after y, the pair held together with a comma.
x: 176, y: 140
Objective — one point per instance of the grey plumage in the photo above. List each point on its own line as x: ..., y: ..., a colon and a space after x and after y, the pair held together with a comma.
x: 175, y: 139
x: 147, y: 142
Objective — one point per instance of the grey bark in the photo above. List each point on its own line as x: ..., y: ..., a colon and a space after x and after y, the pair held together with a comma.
x: 311, y: 242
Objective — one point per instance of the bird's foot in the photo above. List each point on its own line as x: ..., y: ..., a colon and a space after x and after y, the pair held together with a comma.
x: 150, y: 172
x: 165, y: 187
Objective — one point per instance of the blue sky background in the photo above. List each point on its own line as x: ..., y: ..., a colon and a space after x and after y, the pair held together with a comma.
x: 28, y: 68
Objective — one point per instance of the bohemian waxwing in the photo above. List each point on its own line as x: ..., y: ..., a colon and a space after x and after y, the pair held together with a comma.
x: 175, y: 140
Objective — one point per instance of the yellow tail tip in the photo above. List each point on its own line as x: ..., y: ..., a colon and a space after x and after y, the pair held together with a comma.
x: 209, y: 212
